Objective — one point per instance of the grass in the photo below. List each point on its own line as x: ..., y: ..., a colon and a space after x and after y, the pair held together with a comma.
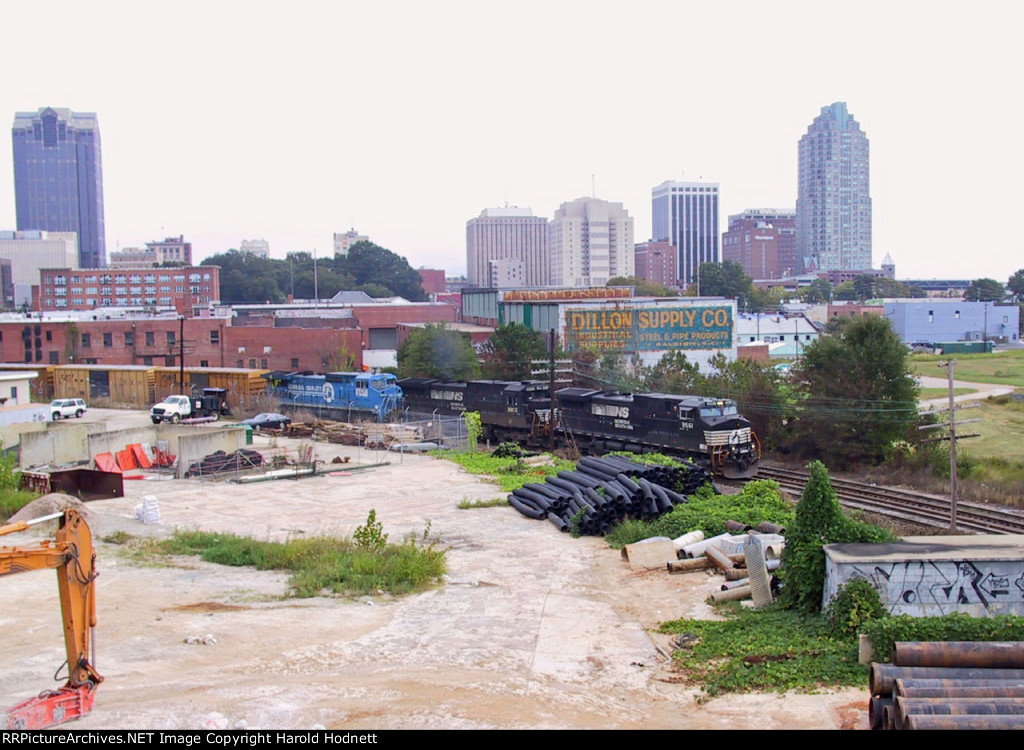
x: 769, y: 649
x: 926, y: 394
x: 508, y: 473
x: 321, y: 565
x: 11, y: 501
x: 494, y: 502
x: 1002, y: 368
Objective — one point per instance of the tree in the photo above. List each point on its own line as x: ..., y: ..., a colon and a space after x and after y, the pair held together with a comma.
x: 818, y: 521
x: 864, y: 285
x: 724, y: 280
x: 510, y: 352
x: 1016, y: 285
x: 817, y: 291
x: 369, y: 263
x: 855, y: 393
x: 985, y: 290
x: 643, y: 287
x: 436, y: 351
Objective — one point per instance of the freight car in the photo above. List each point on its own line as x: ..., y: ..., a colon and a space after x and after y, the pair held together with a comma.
x: 344, y: 396
x: 708, y: 430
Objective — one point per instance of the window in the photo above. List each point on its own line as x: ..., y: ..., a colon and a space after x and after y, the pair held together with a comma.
x: 215, y: 336
x: 295, y: 363
x: 204, y: 363
x: 252, y: 364
x: 931, y: 316
x: 169, y: 360
x: 263, y: 364
x: 86, y: 340
x: 150, y: 338
x: 108, y: 340
x: 241, y: 363
x: 54, y: 358
x: 129, y: 338
x: 14, y: 392
x: 170, y: 338
x: 148, y: 361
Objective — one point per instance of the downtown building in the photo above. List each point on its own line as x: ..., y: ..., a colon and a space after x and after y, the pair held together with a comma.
x: 591, y: 242
x: 685, y: 214
x: 833, y: 207
x: 507, y: 248
x: 58, y: 178
x: 763, y: 242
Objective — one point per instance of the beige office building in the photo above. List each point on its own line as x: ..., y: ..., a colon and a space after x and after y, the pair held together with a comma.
x: 591, y: 242
x: 30, y: 250
x: 507, y: 248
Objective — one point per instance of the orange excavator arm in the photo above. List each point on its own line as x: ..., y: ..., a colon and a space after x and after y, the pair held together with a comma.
x: 73, y: 557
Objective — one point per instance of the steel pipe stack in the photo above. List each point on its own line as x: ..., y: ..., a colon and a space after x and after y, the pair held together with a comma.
x: 949, y: 685
x: 604, y: 491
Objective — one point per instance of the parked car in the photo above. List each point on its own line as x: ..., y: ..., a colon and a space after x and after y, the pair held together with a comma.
x: 267, y: 421
x: 67, y: 407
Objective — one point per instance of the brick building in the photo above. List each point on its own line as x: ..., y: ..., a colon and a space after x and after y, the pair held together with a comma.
x: 188, y: 290
x: 657, y: 262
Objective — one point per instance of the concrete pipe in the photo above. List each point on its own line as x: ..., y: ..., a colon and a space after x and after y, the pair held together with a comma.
x: 733, y: 595
x: 720, y: 559
x: 689, y: 565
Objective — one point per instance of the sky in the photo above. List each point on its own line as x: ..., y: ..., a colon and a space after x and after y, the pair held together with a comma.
x: 223, y: 120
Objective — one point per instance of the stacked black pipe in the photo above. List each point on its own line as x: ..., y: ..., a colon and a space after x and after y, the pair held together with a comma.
x: 604, y: 491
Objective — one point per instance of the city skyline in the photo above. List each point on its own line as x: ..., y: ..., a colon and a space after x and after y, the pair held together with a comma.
x: 292, y: 142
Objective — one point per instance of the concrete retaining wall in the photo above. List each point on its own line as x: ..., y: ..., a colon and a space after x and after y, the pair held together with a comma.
x: 979, y: 575
x: 54, y: 445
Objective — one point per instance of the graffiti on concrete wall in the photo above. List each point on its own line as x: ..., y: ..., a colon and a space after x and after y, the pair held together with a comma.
x: 944, y: 587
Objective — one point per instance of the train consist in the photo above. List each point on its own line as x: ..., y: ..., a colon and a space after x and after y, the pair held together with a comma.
x: 345, y: 396
x: 707, y: 430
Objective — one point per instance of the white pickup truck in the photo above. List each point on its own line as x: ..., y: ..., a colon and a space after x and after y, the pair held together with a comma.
x: 176, y: 408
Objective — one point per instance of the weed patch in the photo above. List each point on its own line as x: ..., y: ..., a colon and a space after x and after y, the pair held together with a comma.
x: 769, y: 649
x: 322, y: 564
x: 494, y: 502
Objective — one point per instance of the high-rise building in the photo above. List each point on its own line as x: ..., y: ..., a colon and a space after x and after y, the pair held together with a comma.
x: 507, y: 247
x: 58, y: 178
x: 686, y: 214
x: 833, y: 206
x: 763, y: 242
x: 260, y: 248
x: 591, y: 242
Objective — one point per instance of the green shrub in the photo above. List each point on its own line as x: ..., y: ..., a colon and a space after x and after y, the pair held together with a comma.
x: 819, y: 521
x: 371, y: 536
x: 758, y: 501
x: 856, y: 604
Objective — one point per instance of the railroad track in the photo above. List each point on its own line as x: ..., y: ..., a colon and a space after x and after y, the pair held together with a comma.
x: 914, y: 507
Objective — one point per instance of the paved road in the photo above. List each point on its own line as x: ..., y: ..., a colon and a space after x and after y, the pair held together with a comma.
x: 981, y: 391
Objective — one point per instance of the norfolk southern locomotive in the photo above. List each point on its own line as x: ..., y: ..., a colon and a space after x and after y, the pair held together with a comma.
x: 708, y: 430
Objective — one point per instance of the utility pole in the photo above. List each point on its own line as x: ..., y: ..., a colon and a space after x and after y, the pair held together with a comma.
x: 181, y: 352
x: 950, y: 365
x: 952, y: 438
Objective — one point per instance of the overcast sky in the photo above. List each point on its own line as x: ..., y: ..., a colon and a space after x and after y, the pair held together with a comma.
x: 225, y: 121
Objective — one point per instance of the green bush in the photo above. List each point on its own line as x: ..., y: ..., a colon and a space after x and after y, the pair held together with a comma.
x: 856, y: 604
x: 957, y: 626
x: 819, y: 521
x: 758, y: 501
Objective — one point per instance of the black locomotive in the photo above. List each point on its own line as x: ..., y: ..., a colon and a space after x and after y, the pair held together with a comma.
x: 708, y: 430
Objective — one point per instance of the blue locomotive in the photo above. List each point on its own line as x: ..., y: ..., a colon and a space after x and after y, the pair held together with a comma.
x: 345, y: 396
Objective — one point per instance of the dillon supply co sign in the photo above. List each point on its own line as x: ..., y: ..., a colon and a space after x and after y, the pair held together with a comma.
x: 651, y: 329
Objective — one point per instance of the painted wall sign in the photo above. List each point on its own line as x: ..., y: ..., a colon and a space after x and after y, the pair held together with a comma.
x: 652, y: 329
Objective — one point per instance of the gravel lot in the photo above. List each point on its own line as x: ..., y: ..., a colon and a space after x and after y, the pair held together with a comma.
x: 532, y: 629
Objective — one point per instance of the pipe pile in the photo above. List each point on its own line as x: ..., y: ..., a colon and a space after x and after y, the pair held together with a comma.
x: 949, y: 685
x: 601, y: 492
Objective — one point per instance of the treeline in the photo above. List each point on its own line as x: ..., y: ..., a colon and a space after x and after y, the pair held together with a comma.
x: 246, y: 278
